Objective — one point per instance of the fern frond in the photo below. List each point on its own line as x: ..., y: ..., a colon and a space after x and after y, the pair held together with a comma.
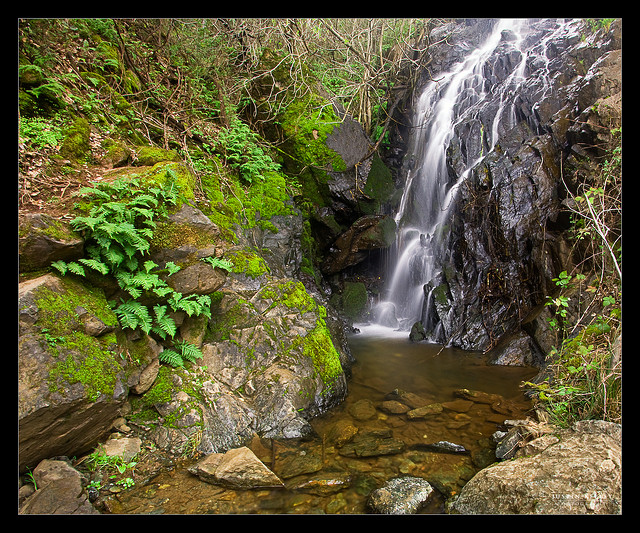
x: 60, y: 266
x: 164, y: 324
x: 172, y: 358
x: 189, y: 351
x: 75, y: 268
x: 224, y: 264
x: 132, y: 314
x: 172, y: 267
x: 163, y: 291
x: 96, y: 265
x: 149, y: 265
x: 86, y: 191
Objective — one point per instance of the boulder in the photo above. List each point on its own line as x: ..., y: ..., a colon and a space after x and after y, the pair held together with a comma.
x: 59, y: 491
x: 238, y: 468
x: 403, y: 495
x: 575, y: 471
x: 43, y: 240
x: 71, y: 381
x: 369, y: 232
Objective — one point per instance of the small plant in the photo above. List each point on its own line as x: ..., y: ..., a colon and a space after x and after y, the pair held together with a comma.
x: 182, y: 351
x: 218, y: 263
x: 243, y: 152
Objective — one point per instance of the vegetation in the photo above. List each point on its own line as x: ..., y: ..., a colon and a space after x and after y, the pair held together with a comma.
x: 586, y: 364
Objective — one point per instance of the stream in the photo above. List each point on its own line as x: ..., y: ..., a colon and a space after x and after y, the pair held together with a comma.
x: 322, y: 476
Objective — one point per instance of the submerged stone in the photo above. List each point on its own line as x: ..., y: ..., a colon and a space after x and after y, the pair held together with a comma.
x: 403, y: 495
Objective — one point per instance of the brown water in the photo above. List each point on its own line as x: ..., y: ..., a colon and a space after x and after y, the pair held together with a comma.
x: 335, y: 483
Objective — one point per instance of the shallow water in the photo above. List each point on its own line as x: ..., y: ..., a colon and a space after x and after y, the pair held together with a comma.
x: 334, y: 483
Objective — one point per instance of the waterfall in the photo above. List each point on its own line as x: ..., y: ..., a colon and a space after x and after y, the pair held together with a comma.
x: 490, y: 73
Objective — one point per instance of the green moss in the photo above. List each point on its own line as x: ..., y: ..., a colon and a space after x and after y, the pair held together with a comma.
x: 91, y: 362
x: 151, y: 155
x: 379, y: 187
x: 306, y: 124
x: 75, y: 145
x: 57, y: 312
x: 319, y: 347
x: 354, y: 300
x: 162, y: 387
x: 249, y: 263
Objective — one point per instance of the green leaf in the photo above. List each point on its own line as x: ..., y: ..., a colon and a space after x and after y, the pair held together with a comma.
x: 61, y: 266
x: 95, y: 265
x: 172, y: 358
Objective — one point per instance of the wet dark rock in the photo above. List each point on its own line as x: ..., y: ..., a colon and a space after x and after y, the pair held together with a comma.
x: 442, y: 446
x: 370, y: 232
x: 370, y: 442
x: 403, y: 495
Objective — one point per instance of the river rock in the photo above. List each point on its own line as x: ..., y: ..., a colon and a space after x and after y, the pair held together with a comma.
x: 410, y: 399
x: 125, y: 447
x: 580, y: 473
x: 362, y: 410
x: 59, y: 491
x: 370, y: 442
x: 393, y: 407
x: 403, y: 495
x: 238, y: 468
x: 427, y: 410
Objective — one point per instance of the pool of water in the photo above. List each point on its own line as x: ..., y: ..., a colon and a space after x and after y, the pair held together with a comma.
x: 321, y: 476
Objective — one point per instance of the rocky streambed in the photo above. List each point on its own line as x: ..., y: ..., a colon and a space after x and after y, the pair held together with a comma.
x: 429, y: 425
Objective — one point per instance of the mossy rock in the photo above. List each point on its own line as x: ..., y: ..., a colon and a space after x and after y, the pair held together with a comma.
x: 354, y: 300
x: 75, y: 145
x: 151, y: 155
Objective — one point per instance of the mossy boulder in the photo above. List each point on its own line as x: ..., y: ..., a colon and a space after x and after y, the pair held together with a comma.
x: 151, y: 155
x: 71, y: 380
x: 75, y: 145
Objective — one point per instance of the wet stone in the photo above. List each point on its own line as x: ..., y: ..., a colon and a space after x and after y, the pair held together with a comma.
x: 403, y: 495
x: 427, y: 410
x: 410, y: 399
x: 372, y: 442
x: 393, y: 407
x: 362, y: 410
x: 459, y: 405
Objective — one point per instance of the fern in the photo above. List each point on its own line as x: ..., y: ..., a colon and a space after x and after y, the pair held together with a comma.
x: 188, y: 351
x: 164, y: 324
x: 172, y: 358
x: 118, y: 231
x: 132, y: 314
x: 182, y: 351
x: 220, y: 263
x: 96, y: 265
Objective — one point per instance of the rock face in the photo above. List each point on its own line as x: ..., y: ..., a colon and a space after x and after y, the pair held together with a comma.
x: 508, y: 236
x: 575, y: 471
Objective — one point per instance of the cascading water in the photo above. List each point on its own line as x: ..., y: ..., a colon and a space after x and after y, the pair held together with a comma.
x: 490, y: 73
